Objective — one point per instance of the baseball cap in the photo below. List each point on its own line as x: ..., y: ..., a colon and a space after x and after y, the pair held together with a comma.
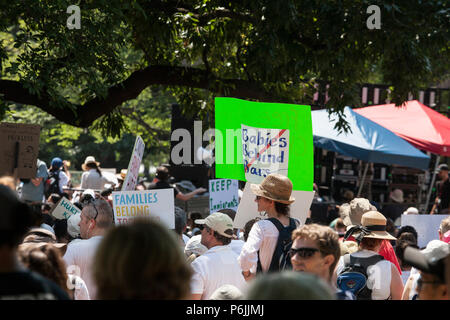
x: 442, y: 166
x: 219, y: 222
x: 431, y: 259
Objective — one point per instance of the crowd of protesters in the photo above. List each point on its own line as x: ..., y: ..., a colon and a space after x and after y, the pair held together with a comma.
x: 88, y: 257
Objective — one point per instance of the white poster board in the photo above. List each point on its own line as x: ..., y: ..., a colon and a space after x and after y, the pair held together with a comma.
x: 426, y: 225
x: 131, y: 178
x: 248, y: 209
x: 64, y: 209
x: 223, y: 194
x: 265, y: 151
x: 158, y: 204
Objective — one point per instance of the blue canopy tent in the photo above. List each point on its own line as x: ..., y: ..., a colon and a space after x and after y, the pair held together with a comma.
x: 367, y: 141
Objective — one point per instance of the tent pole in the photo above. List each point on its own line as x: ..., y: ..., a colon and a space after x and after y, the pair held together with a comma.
x: 363, y: 179
x: 432, y: 182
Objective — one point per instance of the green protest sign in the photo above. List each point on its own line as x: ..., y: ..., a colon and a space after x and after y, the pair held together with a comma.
x: 254, y: 139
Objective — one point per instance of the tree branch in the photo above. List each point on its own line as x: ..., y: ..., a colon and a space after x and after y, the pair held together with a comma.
x: 84, y: 115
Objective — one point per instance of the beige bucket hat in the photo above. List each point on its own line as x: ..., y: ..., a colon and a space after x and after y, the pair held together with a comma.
x: 373, y: 225
x: 275, y: 187
x: 351, y: 213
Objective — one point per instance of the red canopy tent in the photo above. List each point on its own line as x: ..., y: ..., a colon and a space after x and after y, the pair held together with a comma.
x: 418, y: 124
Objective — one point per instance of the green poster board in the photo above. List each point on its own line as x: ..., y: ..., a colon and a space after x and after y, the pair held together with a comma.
x: 231, y: 113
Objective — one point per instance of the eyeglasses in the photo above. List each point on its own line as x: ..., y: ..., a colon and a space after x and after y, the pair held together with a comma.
x: 303, y: 252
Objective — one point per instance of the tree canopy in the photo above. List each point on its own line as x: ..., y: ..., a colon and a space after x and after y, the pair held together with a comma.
x: 253, y: 49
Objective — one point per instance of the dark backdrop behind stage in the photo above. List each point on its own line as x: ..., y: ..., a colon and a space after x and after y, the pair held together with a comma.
x: 198, y: 174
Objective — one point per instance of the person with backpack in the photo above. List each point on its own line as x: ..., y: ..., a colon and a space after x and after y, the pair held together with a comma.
x: 57, y: 178
x: 269, y: 240
x: 316, y: 250
x: 366, y: 273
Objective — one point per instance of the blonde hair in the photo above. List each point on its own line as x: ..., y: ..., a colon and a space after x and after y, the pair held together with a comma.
x: 9, y: 182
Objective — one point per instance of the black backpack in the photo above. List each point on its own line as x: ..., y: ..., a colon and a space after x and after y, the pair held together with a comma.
x: 52, y: 184
x: 281, y: 259
x: 354, y: 276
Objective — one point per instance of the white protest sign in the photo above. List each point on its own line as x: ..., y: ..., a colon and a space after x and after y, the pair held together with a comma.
x: 133, y: 167
x: 426, y: 225
x: 158, y: 204
x: 265, y: 151
x: 223, y: 194
x: 64, y: 209
x: 248, y: 209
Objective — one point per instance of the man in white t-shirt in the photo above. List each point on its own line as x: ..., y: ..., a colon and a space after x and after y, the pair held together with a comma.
x: 218, y: 266
x: 96, y: 218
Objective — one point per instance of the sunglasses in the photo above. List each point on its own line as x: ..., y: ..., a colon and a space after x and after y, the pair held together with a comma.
x: 303, y: 252
x: 91, y: 201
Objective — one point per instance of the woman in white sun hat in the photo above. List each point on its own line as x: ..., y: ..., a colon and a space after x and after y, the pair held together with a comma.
x: 93, y: 178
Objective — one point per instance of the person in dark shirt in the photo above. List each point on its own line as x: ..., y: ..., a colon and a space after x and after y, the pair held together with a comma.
x: 16, y: 282
x: 395, y: 207
x: 443, y: 187
x: 162, y: 174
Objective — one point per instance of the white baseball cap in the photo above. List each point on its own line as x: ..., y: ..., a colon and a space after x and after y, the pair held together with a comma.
x: 218, y: 222
x: 72, y: 225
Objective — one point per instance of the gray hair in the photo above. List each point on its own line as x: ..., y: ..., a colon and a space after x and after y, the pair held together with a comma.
x: 102, y: 212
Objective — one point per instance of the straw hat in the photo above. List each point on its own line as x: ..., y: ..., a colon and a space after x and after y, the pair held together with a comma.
x: 351, y: 213
x: 275, y: 187
x: 122, y: 174
x: 373, y: 225
x: 89, y: 159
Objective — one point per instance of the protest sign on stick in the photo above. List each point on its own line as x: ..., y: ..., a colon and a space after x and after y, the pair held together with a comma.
x: 131, y: 178
x: 255, y: 139
x: 291, y: 127
x: 223, y: 194
x: 426, y: 225
x: 157, y: 204
x: 265, y: 151
x: 64, y: 209
x: 19, y: 149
